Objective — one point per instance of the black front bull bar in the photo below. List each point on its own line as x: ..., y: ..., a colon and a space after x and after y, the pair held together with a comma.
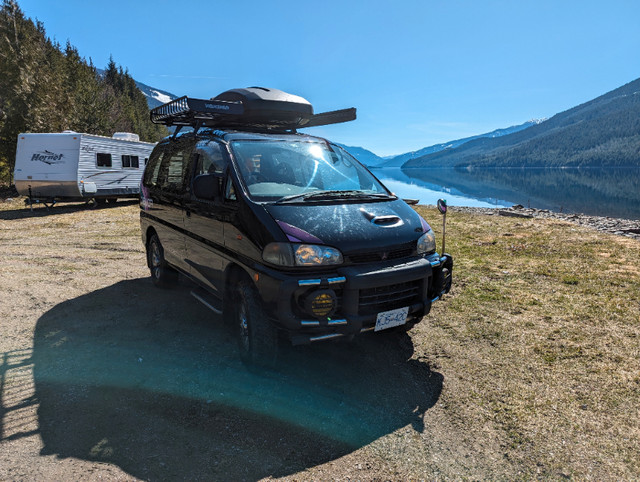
x: 431, y: 275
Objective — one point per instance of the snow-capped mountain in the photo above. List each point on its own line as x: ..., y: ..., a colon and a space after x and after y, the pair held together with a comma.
x: 399, y: 160
x: 155, y: 97
x: 602, y: 132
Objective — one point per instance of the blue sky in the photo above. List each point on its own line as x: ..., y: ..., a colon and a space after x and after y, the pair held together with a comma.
x: 419, y: 72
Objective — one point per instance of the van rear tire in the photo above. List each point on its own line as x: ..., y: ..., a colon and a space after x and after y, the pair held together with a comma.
x: 257, y: 336
x: 162, y: 275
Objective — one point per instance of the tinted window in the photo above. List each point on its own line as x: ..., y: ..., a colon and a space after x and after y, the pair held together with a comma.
x: 103, y: 159
x: 153, y: 167
x: 230, y: 190
x: 174, y: 166
x: 209, y: 158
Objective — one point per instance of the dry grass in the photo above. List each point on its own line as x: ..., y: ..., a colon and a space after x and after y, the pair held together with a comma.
x: 539, y: 344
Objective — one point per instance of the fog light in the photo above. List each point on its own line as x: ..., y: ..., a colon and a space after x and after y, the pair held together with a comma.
x: 321, y: 303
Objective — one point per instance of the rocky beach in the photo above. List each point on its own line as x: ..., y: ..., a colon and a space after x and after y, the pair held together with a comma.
x: 621, y: 227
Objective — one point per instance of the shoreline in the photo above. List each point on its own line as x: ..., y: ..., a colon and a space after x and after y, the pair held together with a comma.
x: 618, y: 226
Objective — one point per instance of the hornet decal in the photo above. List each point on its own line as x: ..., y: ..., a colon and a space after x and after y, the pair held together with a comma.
x: 48, y: 157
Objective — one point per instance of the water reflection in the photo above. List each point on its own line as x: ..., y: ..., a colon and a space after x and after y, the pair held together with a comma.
x: 428, y: 185
x: 601, y: 192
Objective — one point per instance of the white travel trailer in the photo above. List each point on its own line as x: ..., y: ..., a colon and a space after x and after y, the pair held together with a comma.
x: 70, y: 166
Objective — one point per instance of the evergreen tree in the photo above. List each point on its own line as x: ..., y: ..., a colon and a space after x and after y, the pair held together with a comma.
x: 45, y: 88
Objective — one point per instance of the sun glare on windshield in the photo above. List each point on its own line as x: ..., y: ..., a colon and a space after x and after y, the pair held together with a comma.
x: 316, y: 151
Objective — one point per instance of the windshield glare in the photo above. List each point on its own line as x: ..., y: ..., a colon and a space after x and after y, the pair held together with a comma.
x: 272, y: 170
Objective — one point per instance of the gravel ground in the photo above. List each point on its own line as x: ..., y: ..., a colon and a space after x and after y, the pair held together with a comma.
x: 104, y: 376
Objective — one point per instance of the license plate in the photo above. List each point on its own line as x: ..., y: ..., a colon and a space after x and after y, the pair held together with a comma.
x: 389, y: 319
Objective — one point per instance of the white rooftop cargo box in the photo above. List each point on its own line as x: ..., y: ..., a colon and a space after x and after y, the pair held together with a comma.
x: 70, y: 166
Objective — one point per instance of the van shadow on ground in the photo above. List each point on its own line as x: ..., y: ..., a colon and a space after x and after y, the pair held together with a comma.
x: 149, y: 380
x: 39, y: 210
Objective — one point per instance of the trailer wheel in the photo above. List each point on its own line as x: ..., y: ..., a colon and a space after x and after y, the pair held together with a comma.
x: 257, y: 336
x: 162, y: 275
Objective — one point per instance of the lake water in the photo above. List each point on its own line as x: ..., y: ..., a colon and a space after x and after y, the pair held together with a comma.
x: 599, y: 192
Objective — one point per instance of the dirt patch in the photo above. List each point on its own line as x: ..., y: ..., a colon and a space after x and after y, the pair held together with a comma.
x: 104, y: 376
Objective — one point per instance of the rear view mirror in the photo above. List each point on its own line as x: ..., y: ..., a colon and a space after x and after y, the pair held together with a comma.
x: 207, y: 186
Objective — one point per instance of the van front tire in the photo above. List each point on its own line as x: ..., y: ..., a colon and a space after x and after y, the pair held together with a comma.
x: 162, y: 275
x: 257, y: 336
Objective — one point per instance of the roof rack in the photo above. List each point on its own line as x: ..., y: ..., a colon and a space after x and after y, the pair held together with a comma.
x: 247, y: 109
x: 186, y: 111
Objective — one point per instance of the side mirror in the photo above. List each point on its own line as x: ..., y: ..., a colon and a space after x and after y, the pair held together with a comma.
x: 442, y: 206
x: 207, y: 186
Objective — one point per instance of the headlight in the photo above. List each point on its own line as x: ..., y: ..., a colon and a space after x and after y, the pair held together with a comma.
x: 427, y: 243
x: 286, y: 254
x: 314, y: 255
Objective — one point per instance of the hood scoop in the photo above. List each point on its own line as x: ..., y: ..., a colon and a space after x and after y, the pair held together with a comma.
x: 386, y: 221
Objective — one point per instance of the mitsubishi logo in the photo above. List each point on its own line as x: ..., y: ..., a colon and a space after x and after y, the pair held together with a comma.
x: 384, y: 256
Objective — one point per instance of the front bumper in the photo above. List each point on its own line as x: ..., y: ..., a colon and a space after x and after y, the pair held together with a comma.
x: 361, y: 292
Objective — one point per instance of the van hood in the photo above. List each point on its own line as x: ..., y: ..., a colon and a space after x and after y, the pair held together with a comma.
x: 350, y: 227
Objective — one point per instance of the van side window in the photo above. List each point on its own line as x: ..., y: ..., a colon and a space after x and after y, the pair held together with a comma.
x: 210, y: 158
x: 173, y: 169
x: 153, y: 168
x: 103, y: 159
x: 230, y: 190
x: 130, y: 161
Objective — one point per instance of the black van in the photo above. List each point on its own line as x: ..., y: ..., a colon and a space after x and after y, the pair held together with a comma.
x: 285, y: 233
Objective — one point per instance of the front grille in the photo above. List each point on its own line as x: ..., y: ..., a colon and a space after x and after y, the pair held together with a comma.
x: 375, y: 256
x: 385, y: 298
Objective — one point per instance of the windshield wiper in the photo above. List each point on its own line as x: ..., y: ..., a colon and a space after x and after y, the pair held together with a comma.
x: 332, y: 194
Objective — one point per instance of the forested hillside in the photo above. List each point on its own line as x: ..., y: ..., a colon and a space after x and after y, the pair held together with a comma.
x: 603, y: 132
x: 45, y: 87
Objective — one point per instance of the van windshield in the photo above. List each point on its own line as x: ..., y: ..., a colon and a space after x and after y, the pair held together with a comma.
x: 301, y: 171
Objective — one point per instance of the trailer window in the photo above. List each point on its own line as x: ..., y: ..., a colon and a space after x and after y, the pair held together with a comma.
x: 130, y: 161
x: 103, y: 159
